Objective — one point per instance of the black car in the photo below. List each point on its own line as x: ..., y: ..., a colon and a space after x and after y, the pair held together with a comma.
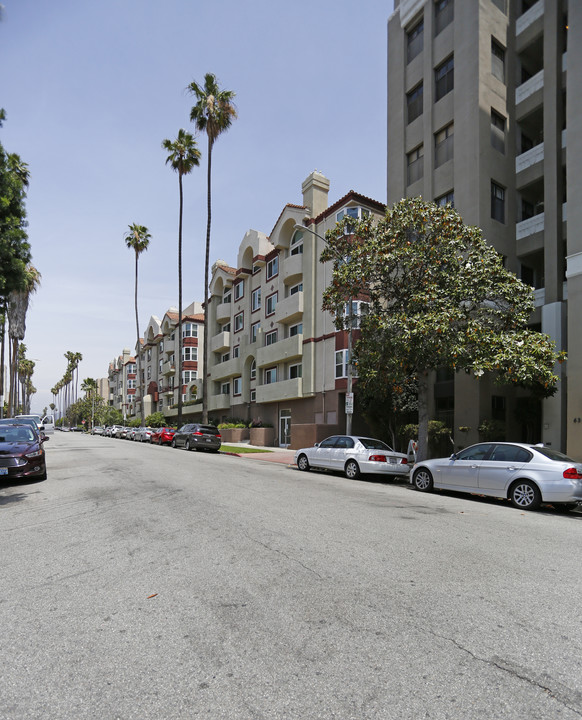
x: 195, y: 436
x: 22, y: 453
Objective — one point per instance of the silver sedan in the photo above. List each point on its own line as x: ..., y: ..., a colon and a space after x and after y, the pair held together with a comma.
x: 526, y: 474
x: 353, y: 455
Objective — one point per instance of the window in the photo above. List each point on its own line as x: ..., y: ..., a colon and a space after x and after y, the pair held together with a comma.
x: 497, y: 131
x: 227, y: 295
x: 225, y: 357
x: 270, y: 376
x: 357, y: 213
x: 189, y: 353
x: 239, y: 290
x: 295, y: 371
x: 253, y: 395
x: 256, y: 269
x: 160, y: 366
x: 414, y: 103
x: 271, y: 304
x: 296, y: 246
x: 161, y: 347
x: 415, y: 161
x: 189, y: 330
x: 225, y: 328
x: 239, y: 322
x: 149, y: 373
x: 296, y: 330
x: 254, y: 370
x: 254, y: 331
x: 296, y: 288
x: 415, y: 40
x: 497, y: 60
x: 160, y: 404
x: 273, y: 267
x: 497, y: 202
x: 476, y: 452
x: 359, y: 308
x: 237, y: 386
x: 149, y: 355
x: 447, y: 199
x: 271, y: 337
x: 341, y: 364
x: 256, y: 299
x: 443, y: 145
x: 188, y: 376
x: 443, y: 15
x: 444, y: 78
x: 236, y: 351
x: 225, y: 388
x: 131, y: 384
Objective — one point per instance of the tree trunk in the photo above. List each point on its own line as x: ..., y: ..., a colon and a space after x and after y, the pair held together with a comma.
x: 206, y: 299
x: 137, y: 349
x: 422, y: 452
x: 180, y: 342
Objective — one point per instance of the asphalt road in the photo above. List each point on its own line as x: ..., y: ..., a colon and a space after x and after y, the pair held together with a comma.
x: 141, y: 582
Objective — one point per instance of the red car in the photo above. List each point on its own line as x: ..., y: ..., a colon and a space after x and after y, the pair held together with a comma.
x: 162, y: 436
x: 22, y: 454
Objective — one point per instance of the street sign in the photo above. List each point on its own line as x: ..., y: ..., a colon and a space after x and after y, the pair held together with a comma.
x: 349, y: 403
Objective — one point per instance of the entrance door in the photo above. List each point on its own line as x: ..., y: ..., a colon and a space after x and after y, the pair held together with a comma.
x: 284, y: 428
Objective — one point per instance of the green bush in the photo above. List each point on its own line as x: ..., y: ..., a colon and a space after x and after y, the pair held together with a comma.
x: 230, y: 425
x: 155, y: 420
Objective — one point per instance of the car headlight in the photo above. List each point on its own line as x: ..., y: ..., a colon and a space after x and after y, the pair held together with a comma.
x: 37, y: 453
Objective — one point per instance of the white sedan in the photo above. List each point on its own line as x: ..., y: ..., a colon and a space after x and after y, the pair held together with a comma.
x: 353, y: 455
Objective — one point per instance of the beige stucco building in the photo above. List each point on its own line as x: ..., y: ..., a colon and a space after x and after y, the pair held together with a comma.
x: 274, y: 355
x: 483, y: 113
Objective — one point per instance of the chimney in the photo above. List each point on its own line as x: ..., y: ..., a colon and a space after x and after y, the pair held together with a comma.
x: 315, y: 189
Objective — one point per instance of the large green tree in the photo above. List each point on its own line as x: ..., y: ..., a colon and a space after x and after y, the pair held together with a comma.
x: 213, y: 114
x: 138, y: 238
x: 439, y: 297
x: 183, y: 157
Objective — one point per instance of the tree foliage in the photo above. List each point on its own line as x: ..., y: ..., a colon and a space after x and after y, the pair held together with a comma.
x: 439, y: 297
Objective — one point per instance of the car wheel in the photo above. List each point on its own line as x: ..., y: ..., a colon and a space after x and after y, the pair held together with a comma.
x: 173, y: 443
x: 423, y: 480
x: 187, y: 445
x: 303, y: 463
x: 525, y: 495
x: 352, y: 470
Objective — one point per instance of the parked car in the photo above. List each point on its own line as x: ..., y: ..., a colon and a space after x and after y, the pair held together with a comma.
x: 526, y: 474
x: 130, y: 433
x: 353, y: 455
x: 195, y: 436
x: 142, y: 434
x: 116, y: 431
x: 97, y: 430
x: 162, y: 436
x: 28, y: 420
x: 22, y: 453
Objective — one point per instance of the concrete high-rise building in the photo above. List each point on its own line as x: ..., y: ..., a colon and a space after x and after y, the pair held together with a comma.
x: 483, y: 113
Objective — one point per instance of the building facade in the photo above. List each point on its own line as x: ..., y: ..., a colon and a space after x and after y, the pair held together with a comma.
x: 483, y: 113
x: 122, y: 376
x: 275, y: 357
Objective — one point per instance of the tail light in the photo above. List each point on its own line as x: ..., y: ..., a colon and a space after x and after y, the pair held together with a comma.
x: 572, y: 474
x: 218, y: 435
x: 377, y: 458
x: 404, y: 461
x: 197, y: 432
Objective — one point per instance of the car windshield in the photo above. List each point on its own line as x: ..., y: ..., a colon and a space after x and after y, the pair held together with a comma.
x: 16, y: 434
x: 371, y: 444
x: 553, y: 454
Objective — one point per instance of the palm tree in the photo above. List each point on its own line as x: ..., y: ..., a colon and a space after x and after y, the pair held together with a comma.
x: 138, y: 238
x: 17, y: 308
x: 184, y: 155
x: 213, y: 114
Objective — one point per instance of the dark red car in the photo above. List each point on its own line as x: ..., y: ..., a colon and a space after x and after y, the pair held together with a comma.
x: 22, y: 453
x: 162, y: 436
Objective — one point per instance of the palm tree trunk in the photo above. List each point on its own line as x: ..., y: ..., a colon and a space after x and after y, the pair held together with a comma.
x: 206, y: 308
x: 2, y: 348
x: 179, y: 420
x: 137, y: 351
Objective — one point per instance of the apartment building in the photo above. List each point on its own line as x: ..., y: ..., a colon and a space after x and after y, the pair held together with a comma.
x: 159, y: 347
x: 122, y: 376
x: 274, y: 355
x: 483, y: 113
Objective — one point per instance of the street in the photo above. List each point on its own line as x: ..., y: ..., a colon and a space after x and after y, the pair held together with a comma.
x: 143, y: 582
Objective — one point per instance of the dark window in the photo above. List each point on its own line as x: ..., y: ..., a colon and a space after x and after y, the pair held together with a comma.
x: 497, y: 131
x: 414, y: 103
x: 443, y: 15
x: 444, y: 78
x: 329, y: 442
x: 415, y: 161
x: 497, y: 60
x: 476, y: 452
x: 443, y: 145
x: 510, y: 453
x: 415, y: 41
x: 447, y: 199
x: 497, y: 202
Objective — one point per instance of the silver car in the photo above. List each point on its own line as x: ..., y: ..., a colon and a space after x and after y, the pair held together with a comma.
x: 526, y: 474
x: 353, y: 455
x: 142, y: 434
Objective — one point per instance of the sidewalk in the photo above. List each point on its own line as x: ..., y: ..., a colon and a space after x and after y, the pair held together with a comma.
x: 277, y: 455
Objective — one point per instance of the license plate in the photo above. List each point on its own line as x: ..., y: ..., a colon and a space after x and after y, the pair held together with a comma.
x: 3, y: 471
x: 393, y: 461
x: 208, y: 439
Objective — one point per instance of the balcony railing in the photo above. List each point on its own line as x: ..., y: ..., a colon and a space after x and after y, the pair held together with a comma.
x: 530, y: 16
x: 530, y: 226
x: 529, y: 158
x: 529, y: 87
x: 280, y: 351
x: 223, y: 311
x: 218, y: 402
x: 278, y: 391
x: 227, y: 369
x: 290, y: 308
x: 292, y: 269
x: 168, y: 368
x: 220, y: 342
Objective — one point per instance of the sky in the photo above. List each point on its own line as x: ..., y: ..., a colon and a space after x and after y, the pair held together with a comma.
x: 91, y: 89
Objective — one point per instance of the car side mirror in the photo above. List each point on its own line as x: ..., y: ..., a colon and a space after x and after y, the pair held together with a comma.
x: 315, y: 444
x: 453, y: 456
x: 44, y: 439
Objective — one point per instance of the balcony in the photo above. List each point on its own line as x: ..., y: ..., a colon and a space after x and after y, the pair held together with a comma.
x: 220, y: 342
x: 292, y: 269
x: 219, y: 402
x: 523, y: 22
x: 280, y: 351
x: 166, y: 390
x: 530, y: 87
x: 529, y: 158
x: 227, y: 369
x: 168, y: 368
x: 290, y: 308
x: 223, y: 311
x: 279, y: 391
x: 531, y: 226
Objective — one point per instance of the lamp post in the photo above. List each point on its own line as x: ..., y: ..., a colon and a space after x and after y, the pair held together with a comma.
x: 349, y: 392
